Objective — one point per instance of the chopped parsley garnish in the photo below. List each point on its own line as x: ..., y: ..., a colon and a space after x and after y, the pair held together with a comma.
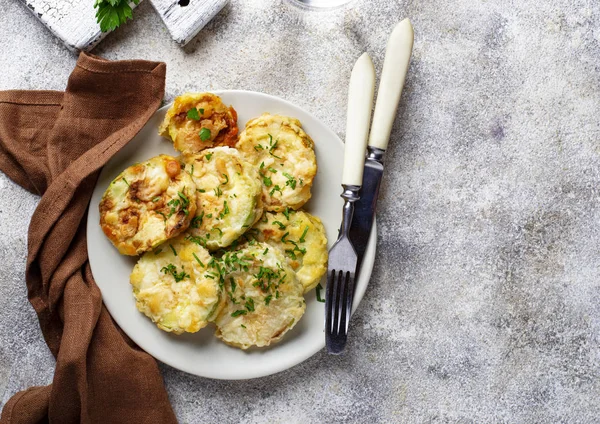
x: 286, y: 212
x: 273, y: 170
x: 262, y: 165
x: 284, y: 236
x: 157, y: 250
x: 242, y: 325
x: 123, y: 178
x: 250, y: 305
x: 238, y: 313
x: 172, y: 270
x: 233, y: 286
x: 204, y: 134
x: 208, y: 156
x: 226, y: 179
x: 173, y: 249
x: 291, y: 181
x: 272, y: 147
x: 197, y: 220
x: 156, y: 199
x: 201, y: 190
x: 301, y: 240
x: 258, y: 147
x: 218, y: 192
x: 266, y: 251
x: 319, y: 298
x: 198, y: 260
x: 225, y: 210
x: 162, y: 214
x: 193, y: 114
x: 267, y: 182
x: 279, y: 224
x: 274, y: 189
x: 268, y: 299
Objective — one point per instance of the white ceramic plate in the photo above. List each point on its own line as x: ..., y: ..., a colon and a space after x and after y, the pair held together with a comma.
x: 201, y: 353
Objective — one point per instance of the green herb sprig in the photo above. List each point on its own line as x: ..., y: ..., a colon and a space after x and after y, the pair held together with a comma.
x: 112, y: 13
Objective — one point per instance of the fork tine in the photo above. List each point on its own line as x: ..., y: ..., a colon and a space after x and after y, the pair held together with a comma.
x: 349, y: 298
x: 339, y: 288
x: 342, y: 289
x: 328, y: 298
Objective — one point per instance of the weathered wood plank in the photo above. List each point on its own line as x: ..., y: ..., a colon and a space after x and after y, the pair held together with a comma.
x: 72, y: 21
x: 185, y: 18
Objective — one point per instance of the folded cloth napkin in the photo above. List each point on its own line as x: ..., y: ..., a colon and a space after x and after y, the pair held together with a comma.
x: 54, y: 144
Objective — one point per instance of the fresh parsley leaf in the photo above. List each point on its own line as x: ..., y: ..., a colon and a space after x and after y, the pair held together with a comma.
x: 267, y: 182
x: 112, y: 13
x: 193, y: 114
x: 208, y: 156
x: 204, y: 134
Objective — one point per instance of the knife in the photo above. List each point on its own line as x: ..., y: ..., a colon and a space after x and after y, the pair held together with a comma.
x: 395, y: 67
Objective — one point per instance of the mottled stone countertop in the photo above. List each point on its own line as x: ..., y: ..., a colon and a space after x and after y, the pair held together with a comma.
x: 484, y: 305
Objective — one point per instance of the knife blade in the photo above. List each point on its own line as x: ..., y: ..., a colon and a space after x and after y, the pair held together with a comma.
x: 395, y: 67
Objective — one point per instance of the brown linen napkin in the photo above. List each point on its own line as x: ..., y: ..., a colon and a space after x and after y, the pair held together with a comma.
x: 54, y: 144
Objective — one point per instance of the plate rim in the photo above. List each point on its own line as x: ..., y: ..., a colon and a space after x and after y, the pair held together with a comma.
x: 285, y: 363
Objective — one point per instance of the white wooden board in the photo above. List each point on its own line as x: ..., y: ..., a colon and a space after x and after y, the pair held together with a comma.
x: 74, y: 21
x: 185, y: 18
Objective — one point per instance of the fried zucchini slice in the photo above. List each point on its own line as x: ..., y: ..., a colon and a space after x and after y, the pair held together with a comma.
x: 175, y: 286
x: 264, y: 298
x: 285, y: 156
x: 147, y: 204
x: 198, y: 121
x: 228, y: 196
x: 301, y: 236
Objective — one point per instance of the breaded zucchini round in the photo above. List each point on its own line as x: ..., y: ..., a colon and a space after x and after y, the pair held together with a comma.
x: 302, y: 237
x: 147, y: 204
x: 197, y: 121
x: 285, y: 156
x: 228, y: 196
x: 175, y: 287
x: 264, y: 298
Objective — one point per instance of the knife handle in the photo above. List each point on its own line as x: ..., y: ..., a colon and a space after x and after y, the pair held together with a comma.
x: 395, y: 67
x: 360, y: 103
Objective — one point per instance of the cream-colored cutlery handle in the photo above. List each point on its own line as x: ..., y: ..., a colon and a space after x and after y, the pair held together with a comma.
x: 395, y: 67
x: 360, y: 103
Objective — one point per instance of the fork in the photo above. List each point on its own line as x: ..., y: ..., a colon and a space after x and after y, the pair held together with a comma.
x: 342, y: 256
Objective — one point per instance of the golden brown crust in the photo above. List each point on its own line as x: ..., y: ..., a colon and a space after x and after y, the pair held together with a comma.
x: 189, y: 132
x: 147, y: 204
x: 285, y: 156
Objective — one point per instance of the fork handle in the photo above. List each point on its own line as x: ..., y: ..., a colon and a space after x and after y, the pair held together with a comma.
x: 360, y: 103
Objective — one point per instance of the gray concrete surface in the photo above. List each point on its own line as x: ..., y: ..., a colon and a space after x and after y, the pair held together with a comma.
x: 484, y: 304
